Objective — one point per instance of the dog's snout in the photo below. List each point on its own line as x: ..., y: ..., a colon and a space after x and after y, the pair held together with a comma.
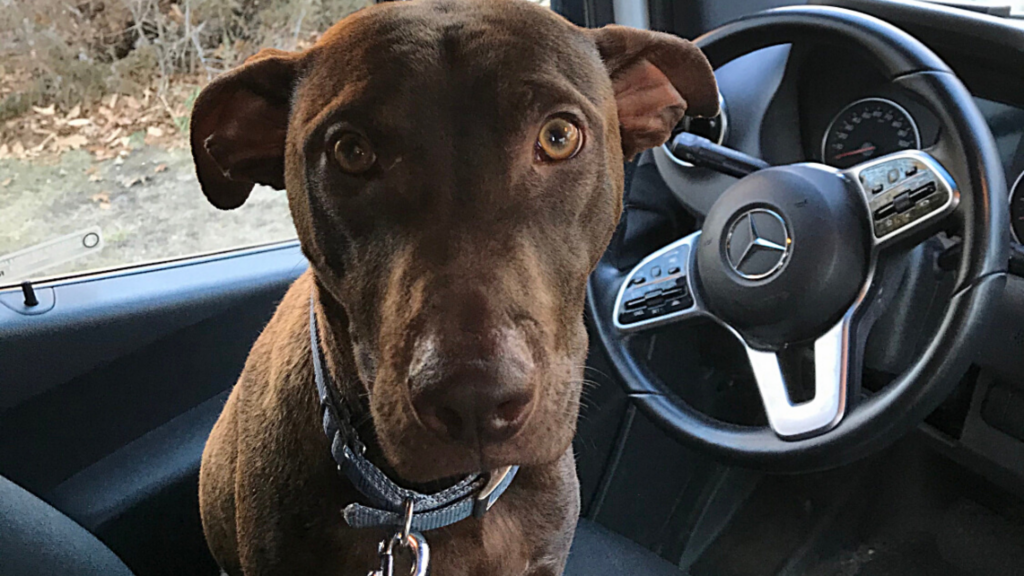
x: 470, y: 399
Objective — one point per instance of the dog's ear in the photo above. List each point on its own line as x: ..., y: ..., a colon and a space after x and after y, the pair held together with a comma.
x: 239, y: 125
x: 657, y: 79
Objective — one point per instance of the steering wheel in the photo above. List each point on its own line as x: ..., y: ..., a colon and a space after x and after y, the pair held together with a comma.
x: 806, y: 253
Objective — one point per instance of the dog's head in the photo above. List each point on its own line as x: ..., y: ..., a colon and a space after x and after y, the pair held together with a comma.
x: 454, y: 170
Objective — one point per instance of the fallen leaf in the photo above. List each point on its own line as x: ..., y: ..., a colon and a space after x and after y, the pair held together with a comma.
x: 104, y: 154
x: 160, y: 168
x: 4, y: 151
x: 74, y: 142
x: 74, y: 113
x: 176, y: 15
x: 79, y: 122
x: 48, y: 111
x: 7, y: 182
x: 101, y: 197
x: 95, y: 178
x: 129, y: 181
x: 113, y: 100
x: 41, y: 145
x: 154, y: 132
x: 17, y: 149
x: 133, y: 103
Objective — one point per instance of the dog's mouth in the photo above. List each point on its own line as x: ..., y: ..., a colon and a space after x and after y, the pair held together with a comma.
x: 434, y: 464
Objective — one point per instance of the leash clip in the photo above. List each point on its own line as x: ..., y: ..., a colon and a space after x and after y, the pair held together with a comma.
x: 404, y: 538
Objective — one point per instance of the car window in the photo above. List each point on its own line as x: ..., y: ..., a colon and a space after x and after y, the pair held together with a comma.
x: 95, y: 168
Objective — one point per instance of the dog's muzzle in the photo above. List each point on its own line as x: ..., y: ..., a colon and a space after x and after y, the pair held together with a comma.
x: 388, y: 505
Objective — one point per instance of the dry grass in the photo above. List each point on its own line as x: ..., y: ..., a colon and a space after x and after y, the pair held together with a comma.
x: 65, y: 62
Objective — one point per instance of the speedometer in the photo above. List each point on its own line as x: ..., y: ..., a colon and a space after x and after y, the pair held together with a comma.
x: 1017, y: 208
x: 867, y: 129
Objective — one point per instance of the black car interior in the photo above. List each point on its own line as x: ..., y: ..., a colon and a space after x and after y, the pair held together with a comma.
x: 109, y: 389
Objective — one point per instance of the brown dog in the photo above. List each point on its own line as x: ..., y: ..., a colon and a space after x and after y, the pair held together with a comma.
x: 455, y: 170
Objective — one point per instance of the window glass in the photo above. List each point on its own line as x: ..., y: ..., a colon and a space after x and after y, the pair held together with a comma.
x: 95, y: 169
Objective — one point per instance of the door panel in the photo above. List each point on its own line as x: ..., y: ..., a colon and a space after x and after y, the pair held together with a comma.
x: 107, y: 399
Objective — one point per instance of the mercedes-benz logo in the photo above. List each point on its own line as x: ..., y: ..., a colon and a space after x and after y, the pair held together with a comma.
x: 758, y: 244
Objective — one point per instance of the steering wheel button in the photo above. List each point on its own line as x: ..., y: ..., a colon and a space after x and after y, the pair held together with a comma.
x: 673, y: 292
x: 902, y: 203
x: 653, y: 293
x: 911, y: 170
x: 634, y: 303
x: 883, y: 227
x: 923, y: 191
x: 677, y: 304
x: 638, y: 280
x: 656, y: 272
x: 633, y: 316
x: 673, y: 271
x: 893, y: 175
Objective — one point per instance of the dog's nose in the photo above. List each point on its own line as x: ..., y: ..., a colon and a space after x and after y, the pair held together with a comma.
x: 470, y: 393
x: 474, y: 410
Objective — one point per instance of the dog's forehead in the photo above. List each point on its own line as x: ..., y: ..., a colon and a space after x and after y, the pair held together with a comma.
x: 421, y: 47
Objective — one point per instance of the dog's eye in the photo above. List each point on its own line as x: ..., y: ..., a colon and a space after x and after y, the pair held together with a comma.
x: 354, y: 153
x: 559, y: 139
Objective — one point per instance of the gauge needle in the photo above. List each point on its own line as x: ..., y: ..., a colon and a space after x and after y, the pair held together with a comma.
x: 853, y: 152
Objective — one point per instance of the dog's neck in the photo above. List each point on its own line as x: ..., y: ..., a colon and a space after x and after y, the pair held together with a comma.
x: 349, y: 388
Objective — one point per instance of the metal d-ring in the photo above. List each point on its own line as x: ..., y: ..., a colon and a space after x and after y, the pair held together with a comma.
x: 420, y: 552
x: 405, y: 538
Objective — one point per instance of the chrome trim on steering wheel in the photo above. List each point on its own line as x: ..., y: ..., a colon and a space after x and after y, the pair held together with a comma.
x: 831, y: 379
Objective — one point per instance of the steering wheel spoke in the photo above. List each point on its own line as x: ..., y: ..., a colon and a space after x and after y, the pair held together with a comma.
x: 660, y: 289
x: 834, y: 360
x: 908, y: 195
